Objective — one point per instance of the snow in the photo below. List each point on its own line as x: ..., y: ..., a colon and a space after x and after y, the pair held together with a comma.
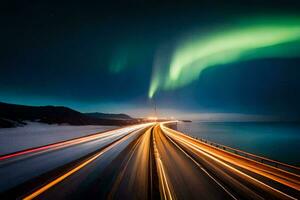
x: 37, y: 134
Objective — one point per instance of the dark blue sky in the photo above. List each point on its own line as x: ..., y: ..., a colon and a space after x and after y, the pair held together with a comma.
x: 99, y: 57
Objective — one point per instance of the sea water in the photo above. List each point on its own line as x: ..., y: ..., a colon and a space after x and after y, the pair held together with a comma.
x: 277, y: 141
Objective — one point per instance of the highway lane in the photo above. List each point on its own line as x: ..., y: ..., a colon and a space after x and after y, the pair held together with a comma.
x: 136, y: 172
x: 246, y: 179
x: 149, y: 161
x: 120, y: 171
x: 184, y: 179
x: 70, y: 142
x: 22, y: 167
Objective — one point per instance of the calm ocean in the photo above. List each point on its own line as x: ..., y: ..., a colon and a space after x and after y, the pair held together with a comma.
x: 278, y: 141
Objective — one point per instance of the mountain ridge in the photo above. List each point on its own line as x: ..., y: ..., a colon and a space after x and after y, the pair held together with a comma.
x: 12, y: 115
x: 101, y: 115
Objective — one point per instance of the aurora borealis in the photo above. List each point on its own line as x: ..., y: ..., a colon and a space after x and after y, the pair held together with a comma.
x: 252, y: 41
x: 185, y: 56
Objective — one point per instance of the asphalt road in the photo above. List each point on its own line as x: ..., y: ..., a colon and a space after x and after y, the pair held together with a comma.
x: 240, y: 177
x: 23, y: 166
x: 185, y: 179
x: 148, y: 161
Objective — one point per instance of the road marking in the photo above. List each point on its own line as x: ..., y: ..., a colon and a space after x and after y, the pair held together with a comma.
x: 167, y: 194
x: 193, y: 146
x: 284, y: 177
x: 229, y: 193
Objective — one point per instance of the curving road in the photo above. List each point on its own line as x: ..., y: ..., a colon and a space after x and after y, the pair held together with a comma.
x: 147, y: 161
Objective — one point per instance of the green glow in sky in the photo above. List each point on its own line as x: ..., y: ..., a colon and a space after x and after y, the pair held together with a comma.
x: 266, y: 38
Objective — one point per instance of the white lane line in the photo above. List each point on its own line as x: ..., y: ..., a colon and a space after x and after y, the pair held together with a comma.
x: 193, y: 146
x: 162, y: 174
x: 218, y: 183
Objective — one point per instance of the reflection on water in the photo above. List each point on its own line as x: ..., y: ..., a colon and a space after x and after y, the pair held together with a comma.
x: 278, y: 141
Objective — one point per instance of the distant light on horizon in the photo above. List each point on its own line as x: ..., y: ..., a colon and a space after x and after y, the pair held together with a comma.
x: 152, y: 118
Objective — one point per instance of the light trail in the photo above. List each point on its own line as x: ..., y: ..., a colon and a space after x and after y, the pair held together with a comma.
x: 179, y: 159
x: 135, y: 172
x: 163, y: 180
x: 253, y: 156
x: 122, y: 173
x: 102, y: 135
x: 231, y: 168
x: 240, y: 155
x: 72, y: 171
x: 287, y: 178
x: 200, y: 167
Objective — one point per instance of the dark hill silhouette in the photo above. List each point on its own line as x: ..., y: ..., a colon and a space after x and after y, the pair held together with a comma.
x: 108, y: 115
x: 12, y: 114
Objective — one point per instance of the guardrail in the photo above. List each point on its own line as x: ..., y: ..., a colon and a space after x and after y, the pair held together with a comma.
x: 267, y: 161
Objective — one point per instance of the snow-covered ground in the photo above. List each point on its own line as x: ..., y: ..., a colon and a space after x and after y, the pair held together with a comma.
x: 36, y: 134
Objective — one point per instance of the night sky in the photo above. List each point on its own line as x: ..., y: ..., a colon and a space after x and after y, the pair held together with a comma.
x: 121, y: 56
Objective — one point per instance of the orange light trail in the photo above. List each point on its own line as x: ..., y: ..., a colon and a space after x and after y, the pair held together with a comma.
x: 107, y: 135
x: 281, y: 176
x: 72, y: 171
x: 163, y: 180
x: 219, y: 158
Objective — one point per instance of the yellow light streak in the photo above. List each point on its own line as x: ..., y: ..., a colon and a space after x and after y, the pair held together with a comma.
x: 163, y: 180
x: 72, y: 171
x: 196, y: 148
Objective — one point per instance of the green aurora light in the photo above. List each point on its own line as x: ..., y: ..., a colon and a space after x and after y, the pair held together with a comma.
x: 262, y: 39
